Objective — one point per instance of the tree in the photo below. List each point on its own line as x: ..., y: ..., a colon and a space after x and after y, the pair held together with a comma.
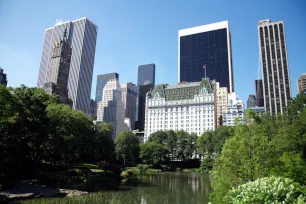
x: 153, y: 153
x: 159, y: 136
x: 105, y: 145
x: 127, y: 147
x: 204, y: 143
x: 171, y: 143
x: 245, y: 157
x: 185, y: 145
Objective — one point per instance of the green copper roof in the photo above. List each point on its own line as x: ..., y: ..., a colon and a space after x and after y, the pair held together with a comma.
x: 182, y: 91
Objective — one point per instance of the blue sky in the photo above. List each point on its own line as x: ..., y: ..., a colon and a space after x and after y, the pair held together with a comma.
x: 135, y: 32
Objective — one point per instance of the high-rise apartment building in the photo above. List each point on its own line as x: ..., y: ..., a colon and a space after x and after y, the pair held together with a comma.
x: 185, y: 106
x: 3, y: 80
x: 130, y: 100
x: 145, y: 83
x: 57, y: 79
x: 220, y: 102
x: 111, y: 108
x: 206, y: 51
x: 301, y: 83
x: 251, y: 101
x: 234, y: 111
x: 102, y: 79
x: 259, y: 93
x: 274, y: 62
x: 82, y: 36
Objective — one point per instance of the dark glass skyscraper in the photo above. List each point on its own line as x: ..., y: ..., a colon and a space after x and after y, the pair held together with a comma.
x: 101, y: 82
x: 205, y: 51
x: 251, y: 101
x: 259, y: 93
x: 3, y: 80
x: 274, y: 61
x: 145, y: 82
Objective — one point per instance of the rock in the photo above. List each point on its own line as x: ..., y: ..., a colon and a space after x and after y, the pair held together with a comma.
x: 70, y: 193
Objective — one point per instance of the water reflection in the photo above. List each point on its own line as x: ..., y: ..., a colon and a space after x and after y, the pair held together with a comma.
x: 179, y: 188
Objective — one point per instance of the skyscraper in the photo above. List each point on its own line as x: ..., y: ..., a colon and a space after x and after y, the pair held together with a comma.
x: 82, y: 36
x: 3, y: 80
x: 111, y: 108
x: 251, y: 101
x: 274, y: 62
x: 145, y: 82
x: 259, y: 93
x: 301, y: 83
x: 221, y: 95
x: 129, y: 100
x: 57, y: 79
x: 102, y: 79
x: 206, y: 51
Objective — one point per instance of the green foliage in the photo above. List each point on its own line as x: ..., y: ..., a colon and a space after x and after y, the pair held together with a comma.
x: 153, y: 152
x: 267, y: 190
x: 127, y: 147
x: 206, y: 165
x: 106, y: 147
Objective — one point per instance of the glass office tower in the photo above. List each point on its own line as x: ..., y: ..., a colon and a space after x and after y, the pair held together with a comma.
x: 205, y: 51
x: 102, y: 79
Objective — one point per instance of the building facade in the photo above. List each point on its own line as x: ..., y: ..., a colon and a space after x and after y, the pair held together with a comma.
x: 57, y: 79
x: 3, y: 80
x: 235, y: 111
x: 221, y: 103
x: 206, y: 51
x: 251, y: 101
x: 301, y: 83
x: 186, y: 106
x: 111, y: 108
x: 274, y: 62
x: 130, y: 100
x: 102, y: 79
x: 145, y: 83
x: 259, y: 93
x: 82, y: 36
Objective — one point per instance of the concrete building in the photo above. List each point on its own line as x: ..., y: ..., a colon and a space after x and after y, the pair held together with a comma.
x: 234, y: 112
x: 185, y: 106
x: 258, y: 110
x: 130, y: 100
x: 259, y: 93
x: 57, y: 79
x: 301, y: 83
x: 221, y: 103
x: 206, y: 51
x: 102, y: 79
x: 251, y: 101
x: 111, y: 108
x: 274, y: 62
x: 82, y: 36
x: 3, y: 80
x: 145, y: 83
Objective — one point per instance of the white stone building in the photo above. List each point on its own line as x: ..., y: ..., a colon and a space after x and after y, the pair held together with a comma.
x: 111, y: 108
x: 186, y: 106
x: 235, y: 109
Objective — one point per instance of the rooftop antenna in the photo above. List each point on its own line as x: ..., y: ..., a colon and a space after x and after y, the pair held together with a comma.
x: 204, y: 67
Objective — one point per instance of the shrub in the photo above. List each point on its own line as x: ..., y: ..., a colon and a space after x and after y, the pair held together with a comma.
x: 142, y: 167
x: 267, y: 190
x: 113, y: 168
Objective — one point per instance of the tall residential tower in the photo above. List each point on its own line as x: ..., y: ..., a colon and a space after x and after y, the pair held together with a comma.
x: 206, y: 51
x: 274, y: 62
x: 129, y: 100
x: 82, y: 36
x: 301, y: 83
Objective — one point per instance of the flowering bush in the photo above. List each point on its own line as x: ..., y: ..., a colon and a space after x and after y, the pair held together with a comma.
x: 268, y: 190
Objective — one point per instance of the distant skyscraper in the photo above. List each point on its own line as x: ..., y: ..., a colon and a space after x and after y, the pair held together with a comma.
x: 206, y: 51
x: 111, y: 108
x: 259, y: 93
x: 129, y: 100
x: 82, y: 36
x: 220, y: 102
x: 251, y: 101
x: 274, y: 61
x: 234, y: 111
x: 145, y: 82
x: 3, y: 80
x: 102, y: 79
x: 301, y: 83
x: 57, y: 79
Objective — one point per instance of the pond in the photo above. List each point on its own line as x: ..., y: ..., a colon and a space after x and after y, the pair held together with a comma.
x: 161, y: 188
x: 179, y: 188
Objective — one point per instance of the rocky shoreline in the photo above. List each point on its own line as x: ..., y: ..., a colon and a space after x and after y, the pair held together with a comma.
x: 26, y: 190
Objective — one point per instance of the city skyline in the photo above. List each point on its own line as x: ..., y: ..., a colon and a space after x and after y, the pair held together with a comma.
x: 150, y: 46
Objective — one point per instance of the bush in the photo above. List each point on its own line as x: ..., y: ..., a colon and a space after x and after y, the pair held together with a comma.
x: 142, y: 167
x: 113, y: 168
x: 267, y: 190
x: 206, y: 165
